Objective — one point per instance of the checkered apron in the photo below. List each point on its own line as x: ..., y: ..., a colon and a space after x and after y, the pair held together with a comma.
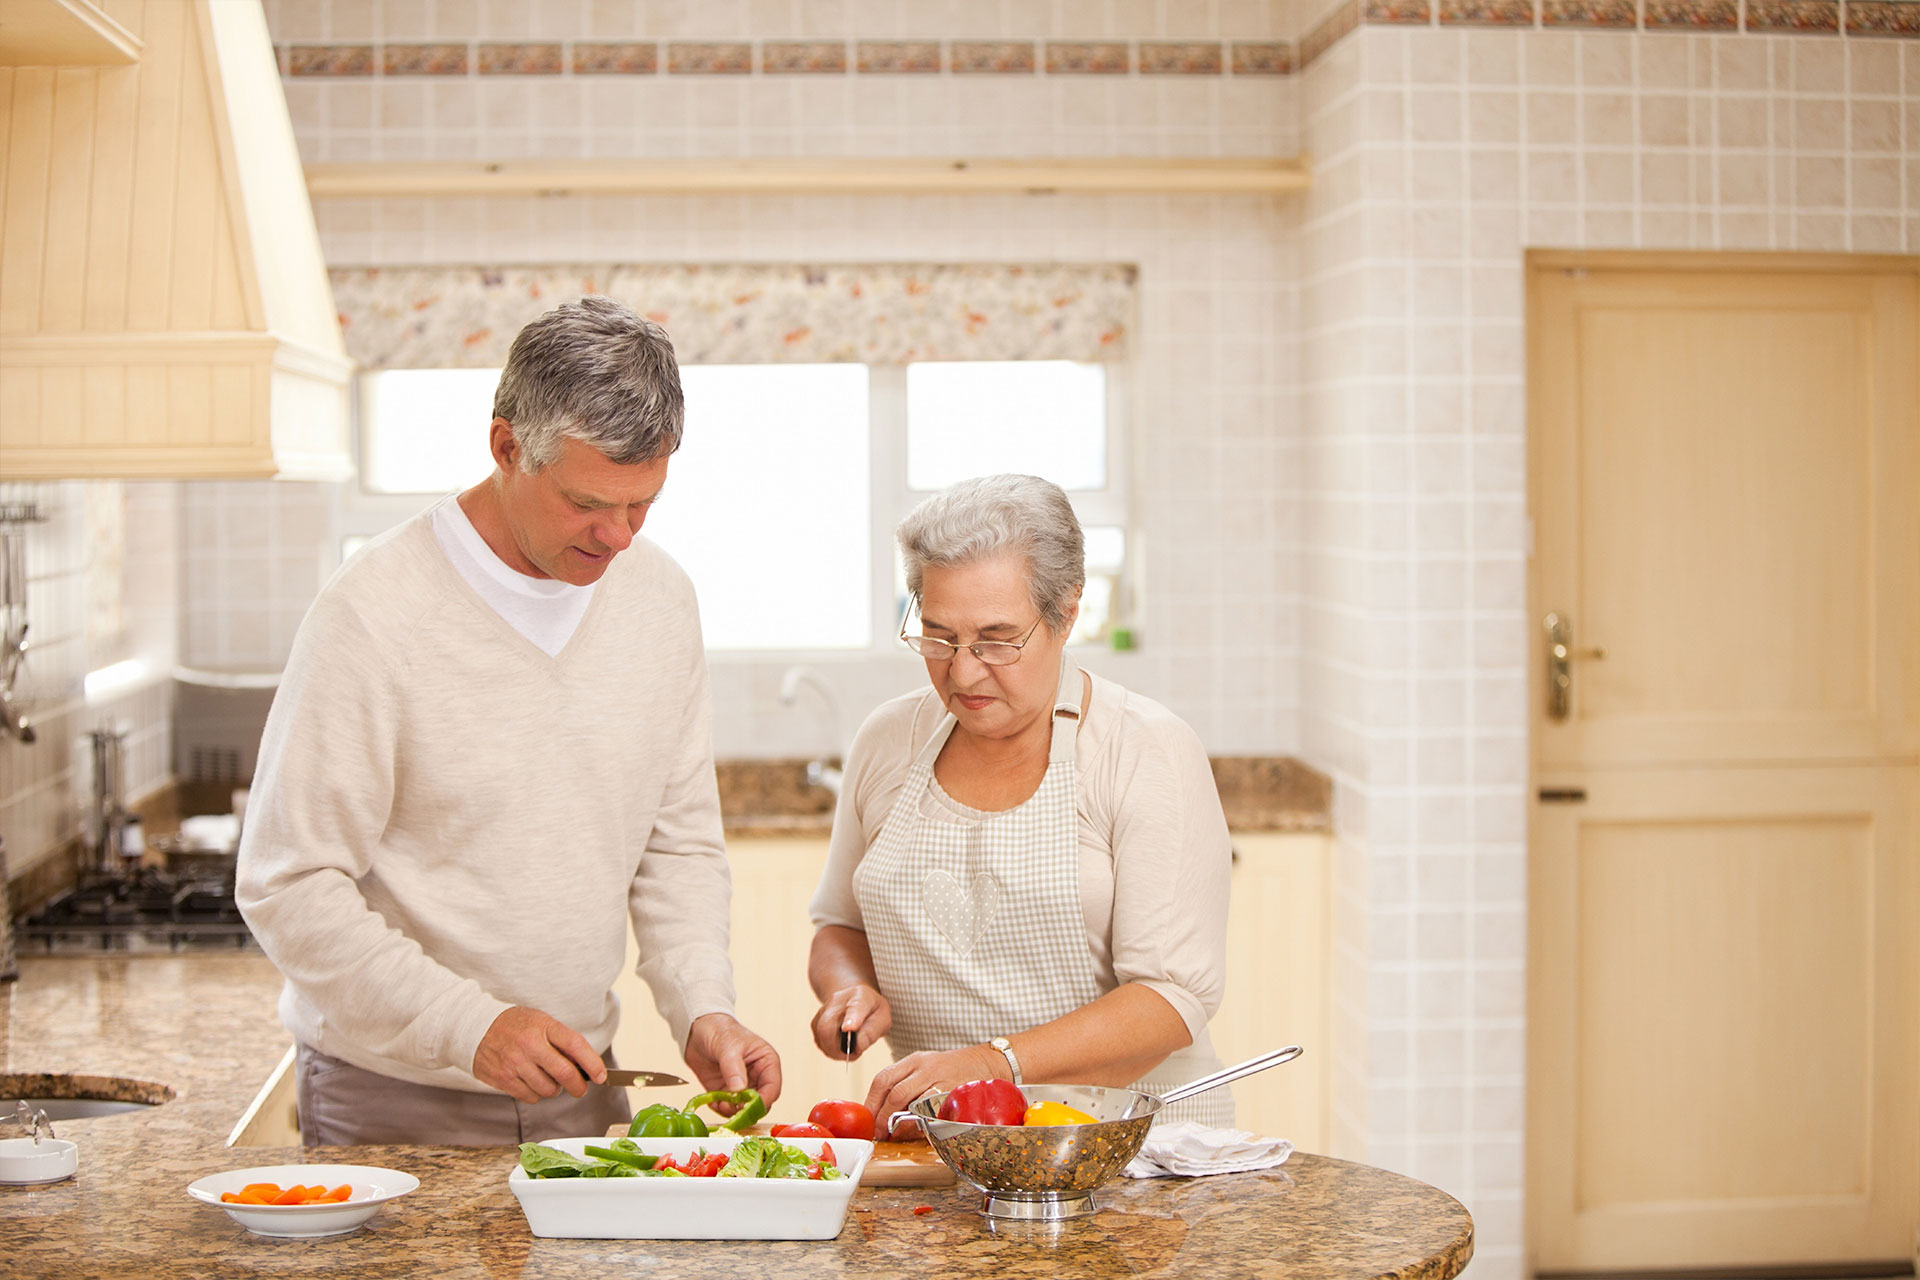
x: 976, y: 929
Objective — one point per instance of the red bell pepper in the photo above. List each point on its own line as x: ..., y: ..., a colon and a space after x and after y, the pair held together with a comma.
x: 985, y: 1102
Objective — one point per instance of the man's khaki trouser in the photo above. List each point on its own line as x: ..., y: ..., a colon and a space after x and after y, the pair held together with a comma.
x: 342, y: 1105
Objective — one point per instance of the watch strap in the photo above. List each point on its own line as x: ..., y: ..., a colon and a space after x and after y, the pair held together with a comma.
x: 1006, y: 1051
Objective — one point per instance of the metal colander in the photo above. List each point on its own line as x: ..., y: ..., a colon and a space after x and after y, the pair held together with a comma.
x: 1049, y: 1172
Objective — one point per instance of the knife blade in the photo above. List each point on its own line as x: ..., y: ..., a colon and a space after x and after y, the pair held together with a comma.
x: 640, y: 1079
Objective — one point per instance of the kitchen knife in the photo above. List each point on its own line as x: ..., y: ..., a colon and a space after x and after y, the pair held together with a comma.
x: 640, y: 1079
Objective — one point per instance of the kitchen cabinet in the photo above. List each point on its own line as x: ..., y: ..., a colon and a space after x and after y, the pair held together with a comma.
x: 1277, y: 977
x: 1276, y: 980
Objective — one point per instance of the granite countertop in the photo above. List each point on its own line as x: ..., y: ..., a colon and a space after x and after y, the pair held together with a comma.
x: 204, y: 1026
x: 1259, y: 793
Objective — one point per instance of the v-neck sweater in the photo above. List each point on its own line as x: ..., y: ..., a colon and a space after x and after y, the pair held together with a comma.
x: 446, y: 821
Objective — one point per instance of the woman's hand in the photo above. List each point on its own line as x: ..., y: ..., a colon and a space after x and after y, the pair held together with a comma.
x: 919, y: 1074
x: 860, y: 1009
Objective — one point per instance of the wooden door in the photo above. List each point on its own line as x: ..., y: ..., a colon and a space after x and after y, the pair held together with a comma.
x: 1724, y: 1022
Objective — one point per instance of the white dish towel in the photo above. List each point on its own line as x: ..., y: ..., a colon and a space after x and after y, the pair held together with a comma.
x: 1183, y: 1149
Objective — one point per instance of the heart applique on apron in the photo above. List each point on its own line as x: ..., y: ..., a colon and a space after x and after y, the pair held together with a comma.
x: 961, y: 914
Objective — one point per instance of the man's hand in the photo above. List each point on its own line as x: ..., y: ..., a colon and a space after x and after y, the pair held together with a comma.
x: 860, y: 1009
x: 529, y: 1055
x: 725, y: 1055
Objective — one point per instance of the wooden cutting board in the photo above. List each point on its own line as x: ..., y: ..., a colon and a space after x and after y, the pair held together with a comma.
x: 893, y: 1164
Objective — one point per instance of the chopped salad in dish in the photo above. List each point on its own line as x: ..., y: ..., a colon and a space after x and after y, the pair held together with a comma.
x: 623, y: 1158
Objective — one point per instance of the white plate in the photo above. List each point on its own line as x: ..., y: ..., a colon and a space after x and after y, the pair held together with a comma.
x: 372, y: 1187
x: 692, y: 1208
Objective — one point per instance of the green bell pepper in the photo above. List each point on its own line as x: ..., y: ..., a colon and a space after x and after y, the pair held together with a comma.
x: 663, y: 1121
x: 619, y: 1154
x: 752, y: 1106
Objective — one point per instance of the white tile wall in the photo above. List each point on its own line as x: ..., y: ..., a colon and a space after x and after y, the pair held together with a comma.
x: 73, y: 571
x: 1441, y: 155
x: 1213, y: 405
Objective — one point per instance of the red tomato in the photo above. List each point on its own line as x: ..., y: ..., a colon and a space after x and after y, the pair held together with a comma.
x: 843, y: 1119
x: 801, y: 1131
x: 709, y: 1166
x: 986, y: 1102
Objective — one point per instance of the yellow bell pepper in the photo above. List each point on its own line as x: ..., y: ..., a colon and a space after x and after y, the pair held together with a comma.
x: 1056, y: 1113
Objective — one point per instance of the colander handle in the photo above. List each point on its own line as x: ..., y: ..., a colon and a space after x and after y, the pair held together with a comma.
x: 1228, y: 1074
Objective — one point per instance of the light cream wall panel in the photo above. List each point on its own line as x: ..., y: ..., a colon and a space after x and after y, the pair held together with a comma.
x: 199, y: 208
x: 68, y: 198
x: 155, y: 172
x: 23, y: 236
x: 112, y: 205
x: 105, y: 407
x: 19, y: 406
x: 238, y: 395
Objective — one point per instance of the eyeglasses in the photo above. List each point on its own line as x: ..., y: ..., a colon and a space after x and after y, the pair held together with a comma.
x: 995, y: 653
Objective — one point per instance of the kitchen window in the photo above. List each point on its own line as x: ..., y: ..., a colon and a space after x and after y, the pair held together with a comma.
x: 782, y: 500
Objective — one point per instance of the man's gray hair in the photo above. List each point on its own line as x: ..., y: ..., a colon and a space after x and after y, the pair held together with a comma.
x: 595, y: 372
x: 982, y: 518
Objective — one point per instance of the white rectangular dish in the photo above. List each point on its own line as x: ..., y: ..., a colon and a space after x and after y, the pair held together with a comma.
x: 691, y: 1208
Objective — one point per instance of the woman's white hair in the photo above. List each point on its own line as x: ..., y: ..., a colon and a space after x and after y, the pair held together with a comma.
x: 991, y: 515
x: 595, y: 372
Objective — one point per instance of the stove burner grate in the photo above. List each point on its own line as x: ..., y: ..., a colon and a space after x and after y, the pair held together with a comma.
x: 149, y: 909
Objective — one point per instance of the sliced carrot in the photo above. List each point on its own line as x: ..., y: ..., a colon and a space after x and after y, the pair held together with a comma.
x: 255, y: 1197
x: 261, y: 1189
x: 227, y: 1197
x: 295, y: 1194
x: 337, y: 1195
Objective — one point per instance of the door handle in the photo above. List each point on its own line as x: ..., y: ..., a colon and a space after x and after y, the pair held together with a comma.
x: 1560, y: 659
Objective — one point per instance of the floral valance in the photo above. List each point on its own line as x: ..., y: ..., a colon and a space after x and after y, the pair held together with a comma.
x: 466, y: 317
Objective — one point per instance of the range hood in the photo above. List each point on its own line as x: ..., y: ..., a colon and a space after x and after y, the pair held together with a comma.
x: 164, y: 307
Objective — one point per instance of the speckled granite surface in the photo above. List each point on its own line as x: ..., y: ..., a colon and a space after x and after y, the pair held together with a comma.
x: 205, y: 1026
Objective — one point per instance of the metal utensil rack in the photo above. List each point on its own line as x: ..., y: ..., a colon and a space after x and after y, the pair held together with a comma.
x: 14, y: 519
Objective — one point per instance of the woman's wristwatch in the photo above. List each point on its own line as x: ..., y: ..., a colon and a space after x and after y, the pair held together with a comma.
x: 1006, y: 1051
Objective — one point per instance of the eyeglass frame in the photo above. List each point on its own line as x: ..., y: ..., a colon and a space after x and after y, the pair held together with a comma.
x: 953, y: 650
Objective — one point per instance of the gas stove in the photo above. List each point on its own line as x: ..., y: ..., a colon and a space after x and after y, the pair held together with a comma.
x: 146, y: 910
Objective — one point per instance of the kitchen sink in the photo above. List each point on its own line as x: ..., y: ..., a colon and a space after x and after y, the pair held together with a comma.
x: 79, y: 1097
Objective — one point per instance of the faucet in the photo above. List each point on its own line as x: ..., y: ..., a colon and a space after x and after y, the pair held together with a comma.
x: 822, y: 771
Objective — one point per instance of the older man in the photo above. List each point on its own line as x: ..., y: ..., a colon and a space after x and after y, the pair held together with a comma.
x: 490, y: 749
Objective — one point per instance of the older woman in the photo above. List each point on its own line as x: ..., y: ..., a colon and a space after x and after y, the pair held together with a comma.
x: 1028, y: 870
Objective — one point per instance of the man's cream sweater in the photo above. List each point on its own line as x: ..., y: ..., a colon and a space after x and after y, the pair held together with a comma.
x: 445, y: 821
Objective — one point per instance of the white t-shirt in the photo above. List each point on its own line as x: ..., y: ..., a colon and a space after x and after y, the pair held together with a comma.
x: 544, y: 610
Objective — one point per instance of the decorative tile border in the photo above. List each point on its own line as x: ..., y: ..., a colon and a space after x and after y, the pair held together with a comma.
x: 1088, y: 58
x: 1881, y: 18
x: 897, y: 57
x: 1262, y: 58
x: 808, y: 57
x: 990, y: 57
x: 1589, y: 13
x: 520, y: 60
x: 1397, y: 13
x: 709, y: 58
x: 1161, y: 58
x: 616, y: 59
x: 424, y: 60
x: 1806, y: 17
x: 1692, y: 15
x: 1267, y: 58
x: 330, y: 60
x: 1486, y: 13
